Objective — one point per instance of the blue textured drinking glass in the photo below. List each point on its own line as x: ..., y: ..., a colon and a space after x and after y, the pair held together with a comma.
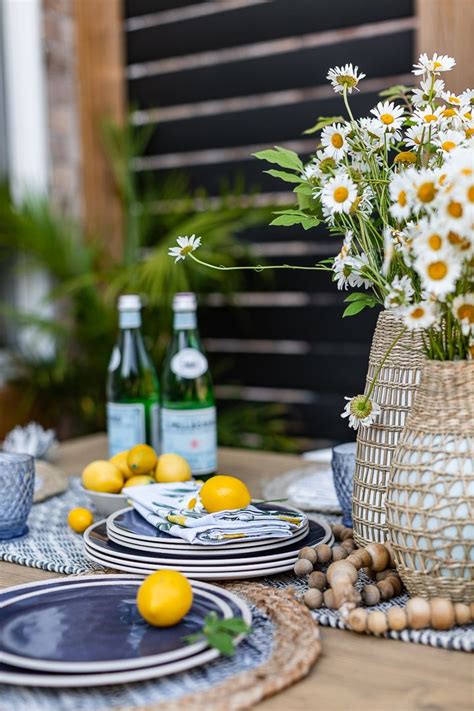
x: 17, y: 481
x: 343, y: 467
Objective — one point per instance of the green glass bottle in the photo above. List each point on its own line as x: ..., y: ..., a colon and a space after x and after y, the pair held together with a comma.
x: 133, y: 392
x: 188, y: 413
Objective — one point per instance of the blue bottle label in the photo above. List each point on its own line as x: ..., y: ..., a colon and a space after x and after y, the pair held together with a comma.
x: 125, y: 426
x: 192, y: 434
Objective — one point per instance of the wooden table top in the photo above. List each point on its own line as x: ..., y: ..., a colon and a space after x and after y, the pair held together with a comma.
x: 354, y: 672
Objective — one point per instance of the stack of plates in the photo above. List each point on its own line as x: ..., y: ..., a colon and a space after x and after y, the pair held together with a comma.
x: 127, y: 542
x: 87, y: 632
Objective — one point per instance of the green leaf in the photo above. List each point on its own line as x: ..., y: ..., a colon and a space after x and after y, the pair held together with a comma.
x: 223, y: 642
x: 356, y: 307
x: 282, y: 157
x: 304, y: 189
x: 287, y: 220
x: 287, y: 177
x: 237, y: 624
x: 309, y: 222
x: 396, y: 90
x: 322, y: 122
x: 361, y: 296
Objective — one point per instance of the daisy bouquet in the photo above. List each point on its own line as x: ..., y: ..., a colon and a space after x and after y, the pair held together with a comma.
x: 398, y: 187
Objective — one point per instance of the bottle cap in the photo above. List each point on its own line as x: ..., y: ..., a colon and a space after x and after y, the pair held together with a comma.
x: 129, y: 302
x: 185, y: 301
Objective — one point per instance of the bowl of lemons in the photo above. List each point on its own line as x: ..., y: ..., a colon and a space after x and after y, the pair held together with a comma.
x: 106, y: 481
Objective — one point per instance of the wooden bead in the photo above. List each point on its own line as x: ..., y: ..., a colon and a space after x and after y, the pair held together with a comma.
x: 365, y: 556
x: 339, y: 553
x: 317, y: 580
x: 343, y: 569
x: 355, y: 559
x: 386, y: 589
x: 397, y: 619
x: 313, y: 598
x: 471, y: 605
x: 358, y: 620
x: 308, y: 553
x: 303, y: 567
x: 346, y: 533
x: 371, y: 595
x: 396, y: 584
x: 389, y: 548
x: 387, y: 573
x: 337, y: 529
x: 324, y: 553
x: 377, y: 622
x: 379, y: 556
x: 462, y: 613
x: 349, y: 545
x: 442, y: 613
x: 418, y: 613
x: 328, y: 597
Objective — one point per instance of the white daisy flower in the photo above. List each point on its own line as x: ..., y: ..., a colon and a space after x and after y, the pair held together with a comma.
x: 421, y: 96
x: 361, y: 410
x: 453, y: 213
x: 186, y: 245
x: 452, y: 99
x: 438, y: 273
x: 429, y: 238
x: 311, y: 171
x: 341, y: 268
x: 428, y: 117
x: 389, y: 115
x: 358, y: 276
x: 463, y: 309
x: 420, y: 315
x: 401, y: 193
x: 434, y: 65
x: 401, y: 291
x: 334, y: 141
x: 425, y: 185
x: 416, y: 136
x: 345, y: 77
x: 338, y: 194
x: 467, y: 97
x: 447, y: 140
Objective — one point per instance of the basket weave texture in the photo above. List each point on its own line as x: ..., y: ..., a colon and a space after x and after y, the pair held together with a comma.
x: 430, y: 496
x: 394, y: 392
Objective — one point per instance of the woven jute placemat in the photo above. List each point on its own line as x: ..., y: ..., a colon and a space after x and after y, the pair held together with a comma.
x: 296, y: 647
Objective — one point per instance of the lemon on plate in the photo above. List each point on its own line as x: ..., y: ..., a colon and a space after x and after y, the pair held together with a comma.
x: 164, y: 598
x: 102, y: 476
x: 172, y: 467
x: 223, y: 492
x: 79, y: 519
x: 120, y: 461
x: 142, y: 459
x: 139, y: 480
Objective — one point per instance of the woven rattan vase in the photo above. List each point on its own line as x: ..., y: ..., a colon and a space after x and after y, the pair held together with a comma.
x: 430, y: 495
x: 394, y: 392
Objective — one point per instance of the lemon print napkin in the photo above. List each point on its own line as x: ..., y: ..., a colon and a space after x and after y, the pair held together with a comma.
x: 177, y: 509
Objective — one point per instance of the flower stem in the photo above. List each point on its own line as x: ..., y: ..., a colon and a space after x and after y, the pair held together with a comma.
x: 344, y: 95
x: 383, y: 361
x: 257, y: 267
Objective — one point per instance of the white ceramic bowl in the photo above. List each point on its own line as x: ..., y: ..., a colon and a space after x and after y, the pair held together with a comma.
x: 105, y: 504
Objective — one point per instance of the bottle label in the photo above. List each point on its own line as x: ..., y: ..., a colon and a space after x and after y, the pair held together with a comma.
x: 155, y: 427
x: 125, y: 426
x: 184, y: 320
x: 192, y: 434
x: 189, y: 363
x: 130, y: 319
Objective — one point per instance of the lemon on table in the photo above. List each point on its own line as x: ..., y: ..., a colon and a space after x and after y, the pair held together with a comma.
x: 79, y: 519
x: 172, y: 467
x: 164, y: 598
x: 224, y: 492
x: 139, y: 480
x: 142, y: 459
x: 102, y: 476
x: 120, y: 461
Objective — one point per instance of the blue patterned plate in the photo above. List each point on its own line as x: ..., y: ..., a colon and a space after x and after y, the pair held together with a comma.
x: 95, y: 626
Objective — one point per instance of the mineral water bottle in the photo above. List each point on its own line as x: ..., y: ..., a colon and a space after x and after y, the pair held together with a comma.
x: 133, y: 392
x: 188, y: 413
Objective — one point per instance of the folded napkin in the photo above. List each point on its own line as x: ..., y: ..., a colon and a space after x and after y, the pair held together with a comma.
x: 177, y: 510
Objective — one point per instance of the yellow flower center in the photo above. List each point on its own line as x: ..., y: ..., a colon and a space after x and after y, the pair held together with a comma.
x: 346, y: 80
x: 341, y: 194
x: 418, y: 312
x: 455, y: 209
x: 337, y: 140
x: 454, y: 100
x: 448, y: 145
x: 466, y: 171
x: 456, y: 240
x: 469, y: 132
x: 466, y: 311
x: 405, y: 157
x: 435, y: 242
x: 442, y: 179
x: 402, y: 198
x: 429, y: 118
x: 387, y: 119
x: 426, y: 192
x: 470, y: 194
x: 448, y: 113
x: 437, y: 270
x: 468, y: 115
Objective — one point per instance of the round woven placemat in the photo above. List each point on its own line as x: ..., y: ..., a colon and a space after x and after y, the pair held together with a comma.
x: 296, y: 647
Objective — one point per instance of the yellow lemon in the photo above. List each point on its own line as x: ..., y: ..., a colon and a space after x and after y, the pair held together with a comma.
x: 164, y: 598
x: 139, y: 480
x: 120, y: 461
x: 79, y: 519
x: 172, y: 467
x: 102, y: 476
x: 224, y: 492
x: 142, y: 459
